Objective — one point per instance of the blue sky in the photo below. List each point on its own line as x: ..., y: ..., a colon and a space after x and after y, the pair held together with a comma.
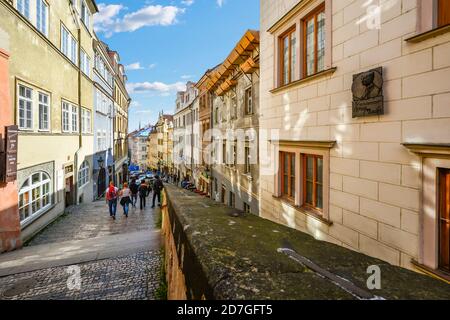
x: 164, y: 44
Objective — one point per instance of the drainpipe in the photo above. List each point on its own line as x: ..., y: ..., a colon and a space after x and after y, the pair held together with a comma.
x: 80, y: 134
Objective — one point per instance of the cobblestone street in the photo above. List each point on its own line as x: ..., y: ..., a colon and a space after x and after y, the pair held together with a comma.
x: 117, y: 260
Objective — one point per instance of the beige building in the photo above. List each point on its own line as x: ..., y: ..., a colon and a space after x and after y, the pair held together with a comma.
x: 378, y: 184
x: 235, y: 123
x: 51, y: 86
x: 152, y: 148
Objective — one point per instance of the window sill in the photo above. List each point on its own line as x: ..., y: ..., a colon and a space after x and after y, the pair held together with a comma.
x: 437, y: 274
x: 304, y: 80
x: 428, y: 34
x: 309, y: 212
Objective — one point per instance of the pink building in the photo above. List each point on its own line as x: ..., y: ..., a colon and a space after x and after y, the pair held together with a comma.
x: 9, y: 215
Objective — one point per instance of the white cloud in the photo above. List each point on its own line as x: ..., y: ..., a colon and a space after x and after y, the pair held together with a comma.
x: 156, y: 87
x: 134, y: 66
x: 185, y: 77
x: 109, y: 22
x: 220, y: 3
x: 187, y: 2
x: 152, y: 66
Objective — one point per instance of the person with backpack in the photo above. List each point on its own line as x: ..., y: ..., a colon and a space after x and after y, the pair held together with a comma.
x: 111, y: 199
x: 125, y: 195
x: 134, y: 192
x: 157, y: 188
x: 143, y: 193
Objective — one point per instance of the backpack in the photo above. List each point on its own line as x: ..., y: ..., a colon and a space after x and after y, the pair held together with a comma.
x: 112, y: 194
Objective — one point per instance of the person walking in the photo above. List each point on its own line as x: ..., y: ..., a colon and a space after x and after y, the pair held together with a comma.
x: 111, y: 199
x: 125, y: 195
x: 157, y: 188
x: 134, y: 192
x: 143, y: 194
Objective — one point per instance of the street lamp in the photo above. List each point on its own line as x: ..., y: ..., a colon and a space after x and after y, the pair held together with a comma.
x: 100, y: 162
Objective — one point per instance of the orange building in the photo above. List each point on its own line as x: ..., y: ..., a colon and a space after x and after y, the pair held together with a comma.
x: 9, y: 212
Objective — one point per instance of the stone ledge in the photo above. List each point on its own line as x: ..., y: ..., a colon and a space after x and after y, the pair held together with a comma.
x: 227, y: 258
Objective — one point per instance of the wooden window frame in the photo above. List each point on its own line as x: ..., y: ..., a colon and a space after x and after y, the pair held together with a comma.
x: 304, y: 158
x: 443, y: 16
x: 290, y: 193
x: 304, y: 21
x: 249, y: 101
x: 444, y: 202
x: 288, y: 33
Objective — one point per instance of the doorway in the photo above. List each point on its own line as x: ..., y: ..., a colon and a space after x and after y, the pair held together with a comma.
x: 69, y: 192
x: 444, y: 220
x: 101, y: 183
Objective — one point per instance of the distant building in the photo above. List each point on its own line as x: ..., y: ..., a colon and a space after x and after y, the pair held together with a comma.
x: 137, y: 141
x: 164, y: 129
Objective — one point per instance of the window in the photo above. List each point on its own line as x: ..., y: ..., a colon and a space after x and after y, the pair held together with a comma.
x: 247, y: 159
x: 44, y: 111
x: 232, y: 200
x: 312, y: 181
x: 23, y: 6
x: 83, y: 174
x: 85, y: 14
x: 85, y: 121
x: 288, y: 56
x: 443, y: 13
x: 74, y: 118
x: 314, y: 42
x: 69, y: 117
x: 224, y: 153
x: 249, y: 101
x: 247, y: 208
x: 287, y: 170
x: 69, y: 46
x: 444, y: 219
x: 25, y: 108
x: 41, y: 16
x: 233, y: 107
x: 34, y: 196
x: 85, y: 63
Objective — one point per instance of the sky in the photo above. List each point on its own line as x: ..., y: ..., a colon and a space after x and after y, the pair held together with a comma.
x: 163, y: 44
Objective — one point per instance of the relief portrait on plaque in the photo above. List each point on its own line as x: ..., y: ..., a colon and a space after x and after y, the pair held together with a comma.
x: 367, y: 90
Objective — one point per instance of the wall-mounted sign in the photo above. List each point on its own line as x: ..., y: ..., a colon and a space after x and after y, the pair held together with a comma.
x: 11, y: 135
x: 367, y: 92
x: 68, y: 170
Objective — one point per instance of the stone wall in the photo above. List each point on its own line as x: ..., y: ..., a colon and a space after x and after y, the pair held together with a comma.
x: 211, y: 254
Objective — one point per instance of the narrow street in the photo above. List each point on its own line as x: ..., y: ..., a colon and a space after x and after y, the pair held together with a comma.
x: 117, y: 260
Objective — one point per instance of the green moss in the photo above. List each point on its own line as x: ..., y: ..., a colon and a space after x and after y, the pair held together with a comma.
x: 240, y: 258
x: 161, y: 291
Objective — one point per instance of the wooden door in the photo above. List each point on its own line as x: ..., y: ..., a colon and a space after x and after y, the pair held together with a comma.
x: 444, y: 219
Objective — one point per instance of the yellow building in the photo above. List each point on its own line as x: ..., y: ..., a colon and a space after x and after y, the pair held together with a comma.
x: 52, y: 100
x: 152, y: 159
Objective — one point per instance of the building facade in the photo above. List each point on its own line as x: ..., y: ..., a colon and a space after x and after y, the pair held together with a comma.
x: 164, y: 129
x: 235, y: 172
x: 54, y: 113
x: 10, y: 238
x: 152, y: 148
x: 361, y: 155
x: 103, y: 160
x: 121, y: 105
x: 137, y: 142
x: 183, y: 132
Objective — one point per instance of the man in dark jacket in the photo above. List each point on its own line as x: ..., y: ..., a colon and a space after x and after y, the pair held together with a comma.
x: 134, y: 192
x: 143, y: 193
x: 157, y: 188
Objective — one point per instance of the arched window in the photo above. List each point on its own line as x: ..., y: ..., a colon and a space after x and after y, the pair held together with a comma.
x: 34, y: 196
x: 83, y: 174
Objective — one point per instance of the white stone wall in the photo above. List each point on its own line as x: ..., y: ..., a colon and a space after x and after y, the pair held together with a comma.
x: 374, y: 180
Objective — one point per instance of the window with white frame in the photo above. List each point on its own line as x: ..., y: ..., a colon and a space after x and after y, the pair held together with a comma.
x: 34, y: 196
x: 23, y: 6
x: 83, y: 175
x: 44, y: 112
x: 69, y: 46
x: 69, y: 117
x: 85, y: 14
x: 85, y: 121
x: 42, y: 16
x: 85, y: 63
x: 25, y: 108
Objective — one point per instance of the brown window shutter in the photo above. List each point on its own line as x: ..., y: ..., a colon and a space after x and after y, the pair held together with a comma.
x: 444, y: 13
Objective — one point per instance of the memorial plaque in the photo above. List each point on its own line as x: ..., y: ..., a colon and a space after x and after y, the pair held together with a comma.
x: 12, y: 133
x: 367, y: 90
